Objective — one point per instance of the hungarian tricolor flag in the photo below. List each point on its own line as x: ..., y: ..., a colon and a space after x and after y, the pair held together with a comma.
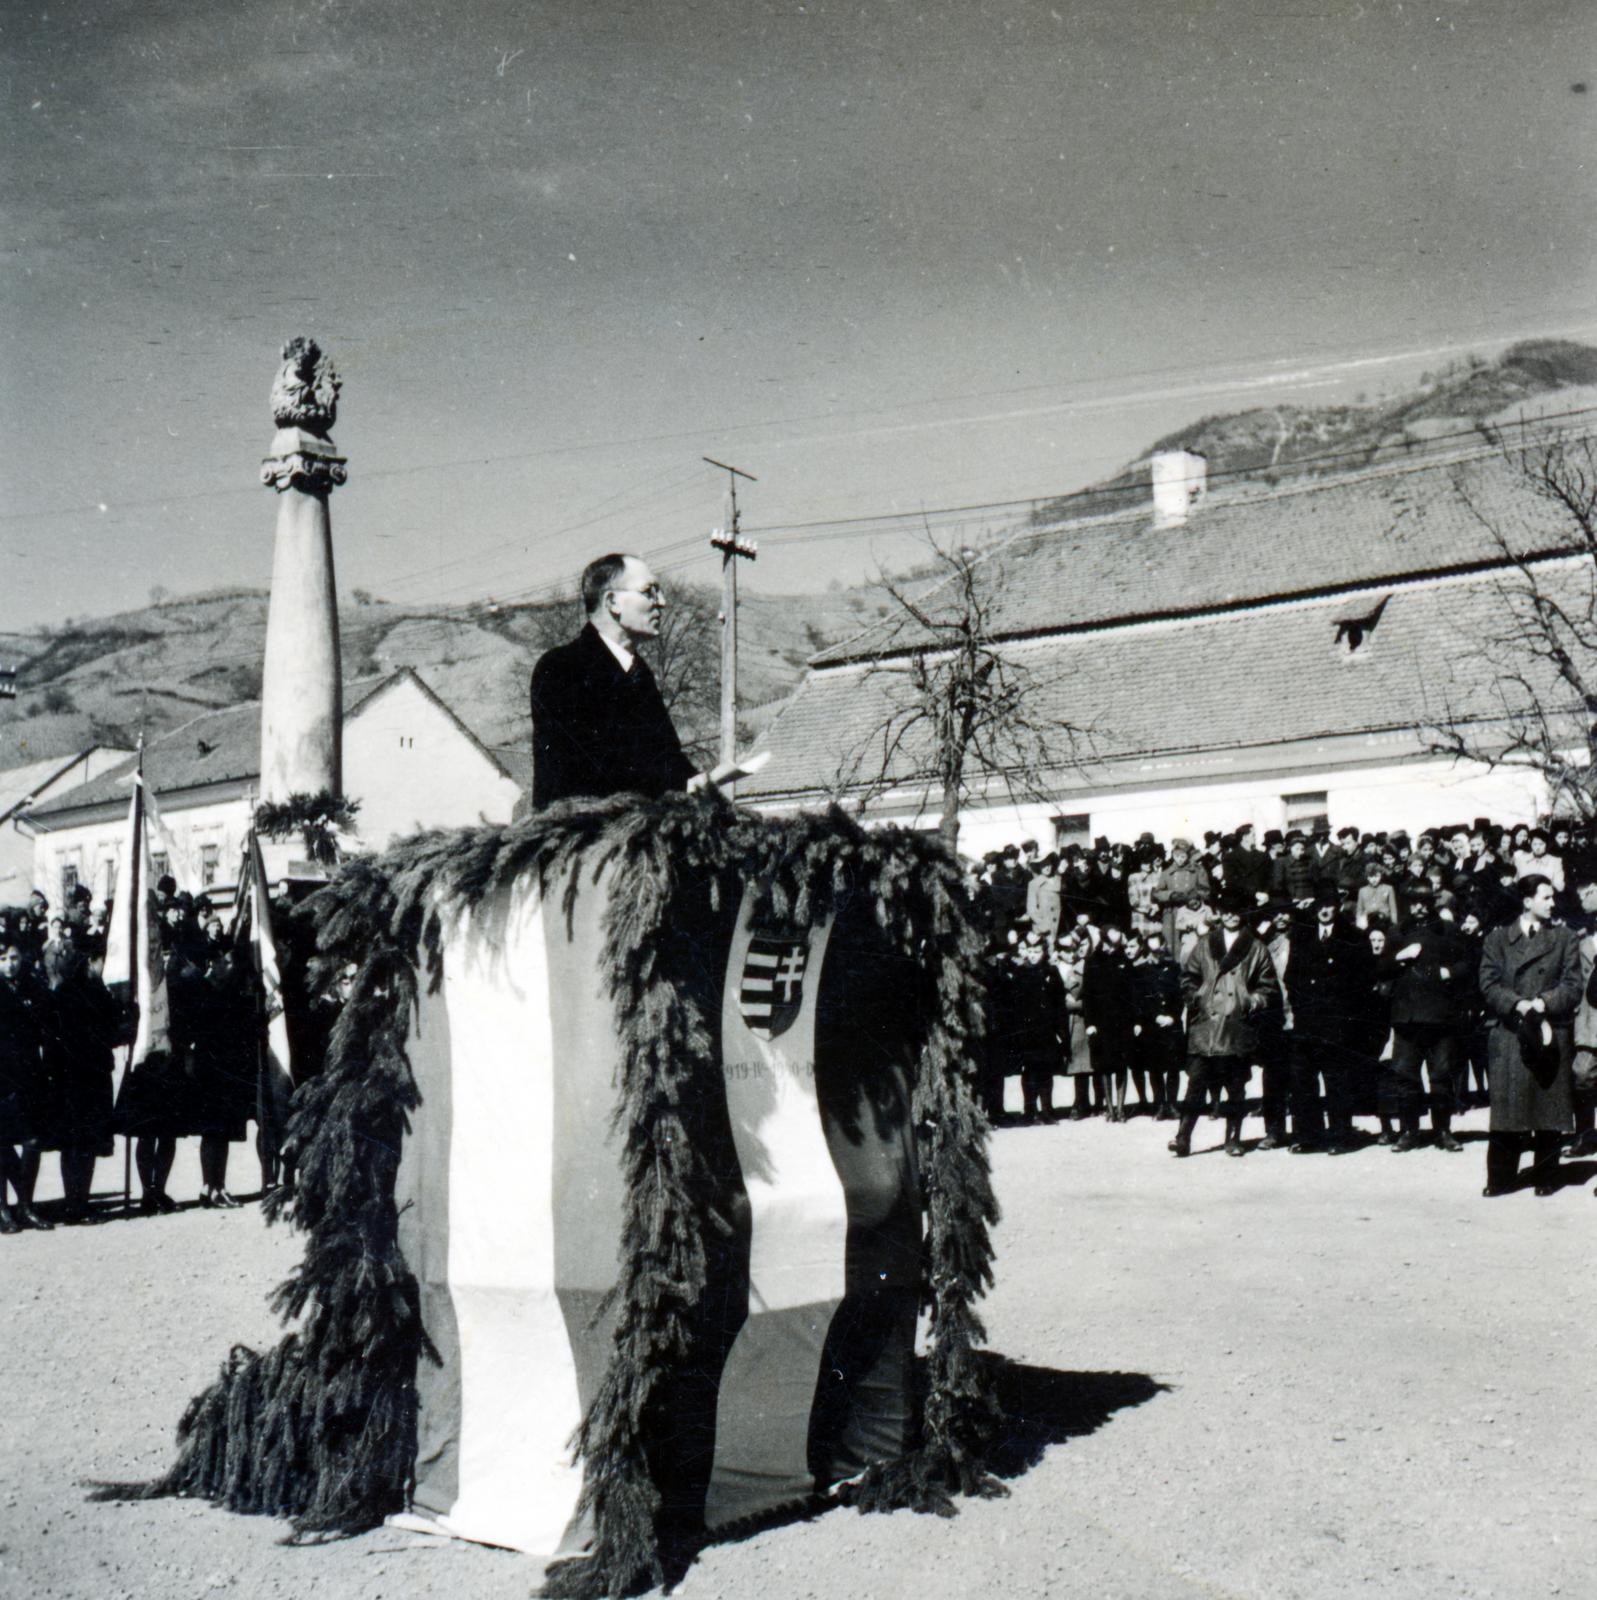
x: 254, y: 941
x: 133, y: 947
x: 511, y: 1198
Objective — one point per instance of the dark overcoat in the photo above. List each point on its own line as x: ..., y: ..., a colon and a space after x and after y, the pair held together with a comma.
x: 1226, y: 991
x: 27, y: 1105
x: 1535, y: 1094
x: 1329, y: 981
x: 1430, y: 989
x: 599, y: 730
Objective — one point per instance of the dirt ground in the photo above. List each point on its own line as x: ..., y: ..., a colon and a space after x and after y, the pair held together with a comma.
x: 1275, y: 1378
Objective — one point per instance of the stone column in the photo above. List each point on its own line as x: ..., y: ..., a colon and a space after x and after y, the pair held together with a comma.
x: 302, y: 682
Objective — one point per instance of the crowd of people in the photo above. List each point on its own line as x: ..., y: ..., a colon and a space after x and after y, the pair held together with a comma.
x: 1363, y: 976
x: 1366, y: 975
x: 60, y: 1026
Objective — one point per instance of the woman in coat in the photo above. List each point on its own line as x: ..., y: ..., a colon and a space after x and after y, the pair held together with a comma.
x: 1182, y: 877
x: 1070, y: 959
x: 1109, y: 1009
x: 85, y: 1026
x: 224, y: 1071
x: 1530, y: 980
x: 1160, y: 1042
x: 1037, y: 1022
x: 26, y: 1102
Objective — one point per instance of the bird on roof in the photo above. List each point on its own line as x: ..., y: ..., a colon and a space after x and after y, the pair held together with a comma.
x: 204, y: 748
x: 1352, y: 631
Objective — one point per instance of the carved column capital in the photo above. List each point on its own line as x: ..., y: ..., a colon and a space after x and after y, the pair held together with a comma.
x: 301, y: 460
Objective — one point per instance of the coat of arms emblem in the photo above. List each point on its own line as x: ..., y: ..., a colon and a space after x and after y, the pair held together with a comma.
x: 771, y: 988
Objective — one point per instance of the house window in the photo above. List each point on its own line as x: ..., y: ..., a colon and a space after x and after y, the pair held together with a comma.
x: 210, y: 855
x: 70, y: 872
x: 1307, y: 810
x: 160, y: 864
x: 1075, y: 828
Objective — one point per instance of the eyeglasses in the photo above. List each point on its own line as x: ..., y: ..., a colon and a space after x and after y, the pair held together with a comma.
x: 653, y: 592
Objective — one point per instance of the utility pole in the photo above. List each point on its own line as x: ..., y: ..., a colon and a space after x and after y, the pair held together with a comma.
x: 732, y: 550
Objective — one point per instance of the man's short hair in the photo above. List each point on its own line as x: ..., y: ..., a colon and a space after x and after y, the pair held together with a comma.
x: 1531, y: 884
x: 599, y: 578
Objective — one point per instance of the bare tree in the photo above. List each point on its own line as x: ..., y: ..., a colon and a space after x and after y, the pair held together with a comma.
x: 964, y: 712
x: 686, y: 659
x: 1529, y: 697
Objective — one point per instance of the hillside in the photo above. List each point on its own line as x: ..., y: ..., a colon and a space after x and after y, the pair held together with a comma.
x: 101, y: 680
x: 1272, y: 443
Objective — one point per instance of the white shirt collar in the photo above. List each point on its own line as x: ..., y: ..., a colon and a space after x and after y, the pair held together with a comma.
x: 619, y: 651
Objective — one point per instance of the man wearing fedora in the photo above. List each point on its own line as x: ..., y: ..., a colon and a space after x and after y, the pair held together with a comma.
x: 1229, y: 983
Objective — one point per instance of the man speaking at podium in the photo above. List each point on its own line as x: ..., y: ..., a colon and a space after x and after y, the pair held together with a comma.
x: 599, y: 724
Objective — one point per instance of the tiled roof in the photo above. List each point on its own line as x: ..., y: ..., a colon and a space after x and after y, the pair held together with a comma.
x: 214, y: 747
x: 18, y: 783
x: 1238, y: 548
x: 1263, y: 676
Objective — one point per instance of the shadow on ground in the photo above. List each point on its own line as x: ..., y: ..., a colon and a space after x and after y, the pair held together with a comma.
x: 1043, y: 1407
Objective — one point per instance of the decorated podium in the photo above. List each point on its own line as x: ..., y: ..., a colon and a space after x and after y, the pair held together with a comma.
x: 646, y: 1142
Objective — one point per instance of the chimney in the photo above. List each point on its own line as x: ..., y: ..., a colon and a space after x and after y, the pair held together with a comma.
x: 1180, y: 480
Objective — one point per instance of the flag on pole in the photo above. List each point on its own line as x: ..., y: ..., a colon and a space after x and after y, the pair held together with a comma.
x: 255, y: 940
x: 133, y: 948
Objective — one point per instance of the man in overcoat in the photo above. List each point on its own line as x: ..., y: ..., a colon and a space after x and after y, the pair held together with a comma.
x: 599, y: 724
x: 1429, y: 1016
x: 1530, y: 980
x: 1228, y: 980
x: 1328, y: 980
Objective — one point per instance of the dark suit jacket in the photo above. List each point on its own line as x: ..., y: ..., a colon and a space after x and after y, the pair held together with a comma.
x: 597, y: 730
x: 1328, y: 981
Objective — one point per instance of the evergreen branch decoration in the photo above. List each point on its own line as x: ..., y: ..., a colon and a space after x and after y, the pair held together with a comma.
x: 322, y: 1429
x: 317, y: 818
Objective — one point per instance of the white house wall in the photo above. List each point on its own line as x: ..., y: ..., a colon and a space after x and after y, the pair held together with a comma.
x: 1186, y: 797
x: 411, y: 766
x: 1411, y: 796
x: 94, y: 848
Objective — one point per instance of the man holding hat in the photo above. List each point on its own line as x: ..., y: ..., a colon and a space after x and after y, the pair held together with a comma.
x: 1530, y: 977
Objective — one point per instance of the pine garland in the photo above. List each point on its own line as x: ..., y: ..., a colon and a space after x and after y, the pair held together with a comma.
x: 322, y: 1428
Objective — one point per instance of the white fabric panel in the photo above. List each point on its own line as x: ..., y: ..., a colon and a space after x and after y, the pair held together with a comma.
x: 796, y: 1203
x: 518, y: 1483
x: 798, y: 1238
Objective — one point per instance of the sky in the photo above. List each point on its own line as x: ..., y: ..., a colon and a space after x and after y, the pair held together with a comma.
x: 890, y: 257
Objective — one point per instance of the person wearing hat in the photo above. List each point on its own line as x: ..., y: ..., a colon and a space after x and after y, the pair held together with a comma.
x: 1429, y: 1015
x: 1246, y: 867
x: 1353, y: 850
x: 1329, y: 980
x: 1181, y: 878
x: 1114, y: 889
x: 1141, y: 907
x: 1273, y: 924
x: 1530, y: 979
x: 1159, y: 1045
x: 1294, y: 875
x: 1042, y: 899
x: 1009, y: 888
x: 1228, y: 982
